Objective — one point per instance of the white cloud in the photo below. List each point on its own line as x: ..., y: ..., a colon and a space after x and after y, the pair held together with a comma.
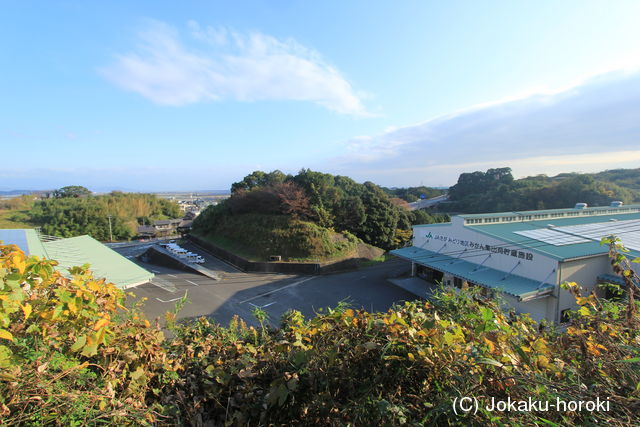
x: 591, y: 126
x: 217, y: 63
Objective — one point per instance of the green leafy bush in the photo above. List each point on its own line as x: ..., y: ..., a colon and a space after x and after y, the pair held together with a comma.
x: 70, y: 353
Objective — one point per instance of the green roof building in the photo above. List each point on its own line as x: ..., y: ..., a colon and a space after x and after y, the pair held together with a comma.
x: 77, y: 251
x: 525, y: 255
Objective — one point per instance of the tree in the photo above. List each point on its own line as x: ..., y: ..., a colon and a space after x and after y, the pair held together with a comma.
x: 382, y: 218
x: 71, y: 191
x: 293, y: 200
x: 259, y: 179
x: 351, y: 214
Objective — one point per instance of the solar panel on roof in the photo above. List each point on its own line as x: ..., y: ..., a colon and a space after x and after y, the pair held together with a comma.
x: 628, y: 231
x: 552, y: 237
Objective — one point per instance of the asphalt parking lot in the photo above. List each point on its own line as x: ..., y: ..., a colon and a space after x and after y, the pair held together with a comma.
x: 239, y: 293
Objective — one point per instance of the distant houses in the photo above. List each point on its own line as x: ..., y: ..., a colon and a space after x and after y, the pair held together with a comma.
x: 193, y: 205
x: 168, y: 227
x: 160, y: 228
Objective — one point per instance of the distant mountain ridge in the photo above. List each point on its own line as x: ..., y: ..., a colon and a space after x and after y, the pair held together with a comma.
x: 628, y: 178
x: 625, y: 178
x: 15, y: 192
x: 497, y: 191
x: 205, y: 192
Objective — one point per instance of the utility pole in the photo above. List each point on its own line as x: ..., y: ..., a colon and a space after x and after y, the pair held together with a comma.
x: 110, y: 233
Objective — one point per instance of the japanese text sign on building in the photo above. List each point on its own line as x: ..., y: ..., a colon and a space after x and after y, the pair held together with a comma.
x: 496, y: 249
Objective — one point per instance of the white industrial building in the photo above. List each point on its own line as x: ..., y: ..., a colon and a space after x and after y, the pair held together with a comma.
x: 525, y: 255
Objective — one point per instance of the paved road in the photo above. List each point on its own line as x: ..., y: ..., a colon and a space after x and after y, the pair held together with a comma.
x: 239, y: 293
x: 422, y: 204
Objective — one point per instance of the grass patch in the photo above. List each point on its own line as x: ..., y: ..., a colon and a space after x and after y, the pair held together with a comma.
x: 377, y: 260
x: 231, y: 246
x: 11, y: 218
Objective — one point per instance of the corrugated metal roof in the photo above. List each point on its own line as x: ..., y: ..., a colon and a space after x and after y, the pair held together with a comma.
x: 104, y: 262
x: 77, y: 251
x: 507, y: 233
x: 512, y: 284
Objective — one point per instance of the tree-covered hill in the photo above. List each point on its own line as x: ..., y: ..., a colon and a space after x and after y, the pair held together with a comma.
x: 300, y: 215
x: 627, y: 178
x: 496, y: 190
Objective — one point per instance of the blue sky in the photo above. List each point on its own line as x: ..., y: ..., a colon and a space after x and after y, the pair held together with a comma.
x: 195, y: 95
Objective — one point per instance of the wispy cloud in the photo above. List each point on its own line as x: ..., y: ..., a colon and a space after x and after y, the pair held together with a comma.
x: 218, y: 63
x: 586, y: 126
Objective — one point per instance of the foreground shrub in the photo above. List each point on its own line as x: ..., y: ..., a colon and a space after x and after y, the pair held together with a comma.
x: 407, y: 366
x: 70, y: 352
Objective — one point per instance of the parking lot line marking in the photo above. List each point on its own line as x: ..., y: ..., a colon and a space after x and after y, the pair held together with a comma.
x: 163, y: 284
x: 172, y: 275
x: 155, y: 271
x: 172, y: 300
x: 278, y: 289
x: 193, y: 283
x: 262, y: 306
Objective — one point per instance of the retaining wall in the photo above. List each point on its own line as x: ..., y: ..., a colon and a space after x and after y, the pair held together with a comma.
x: 277, y: 267
x: 253, y: 266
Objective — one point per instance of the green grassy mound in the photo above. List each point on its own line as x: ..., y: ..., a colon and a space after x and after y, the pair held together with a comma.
x: 258, y: 236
